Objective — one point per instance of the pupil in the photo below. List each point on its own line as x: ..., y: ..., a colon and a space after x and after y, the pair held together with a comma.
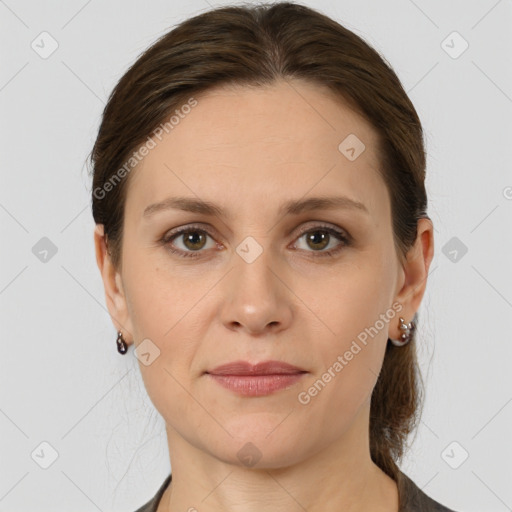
x: 323, y: 237
x: 193, y: 238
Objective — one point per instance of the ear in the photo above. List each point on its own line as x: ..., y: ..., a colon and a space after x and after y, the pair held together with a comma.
x: 112, y: 282
x: 415, y: 273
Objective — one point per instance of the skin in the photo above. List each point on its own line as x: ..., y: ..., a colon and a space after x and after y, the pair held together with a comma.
x: 249, y: 150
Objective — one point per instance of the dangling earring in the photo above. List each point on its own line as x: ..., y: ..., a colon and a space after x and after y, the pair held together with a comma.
x: 406, y: 336
x: 122, y: 347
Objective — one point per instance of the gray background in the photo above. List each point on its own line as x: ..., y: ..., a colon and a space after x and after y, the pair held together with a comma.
x: 61, y: 379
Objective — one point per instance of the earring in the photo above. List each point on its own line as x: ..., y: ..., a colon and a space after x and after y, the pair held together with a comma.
x: 406, y: 336
x: 122, y: 347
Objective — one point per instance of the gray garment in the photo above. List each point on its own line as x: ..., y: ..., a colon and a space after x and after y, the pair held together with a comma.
x: 412, y: 497
x: 152, y: 504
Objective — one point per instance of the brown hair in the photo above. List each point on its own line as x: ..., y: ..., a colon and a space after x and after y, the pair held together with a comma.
x: 256, y: 45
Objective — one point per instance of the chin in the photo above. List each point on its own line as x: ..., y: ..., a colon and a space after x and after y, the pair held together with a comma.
x: 268, y: 444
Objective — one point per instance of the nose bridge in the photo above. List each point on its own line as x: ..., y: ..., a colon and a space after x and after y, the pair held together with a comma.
x: 254, y: 267
x: 257, y: 297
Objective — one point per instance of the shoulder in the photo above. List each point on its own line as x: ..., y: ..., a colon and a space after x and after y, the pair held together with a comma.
x: 413, y: 499
x: 152, y: 504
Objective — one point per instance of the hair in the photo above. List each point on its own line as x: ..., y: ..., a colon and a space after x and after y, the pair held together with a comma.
x: 256, y: 45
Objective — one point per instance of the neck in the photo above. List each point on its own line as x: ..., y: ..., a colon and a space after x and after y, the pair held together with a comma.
x: 340, y: 476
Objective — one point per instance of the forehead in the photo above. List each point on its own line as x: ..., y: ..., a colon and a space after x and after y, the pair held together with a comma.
x: 240, y: 145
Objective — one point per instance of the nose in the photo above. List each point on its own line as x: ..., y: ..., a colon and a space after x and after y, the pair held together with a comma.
x: 258, y: 299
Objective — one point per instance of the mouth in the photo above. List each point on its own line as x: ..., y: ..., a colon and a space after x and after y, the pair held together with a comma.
x: 244, y: 378
x: 263, y: 368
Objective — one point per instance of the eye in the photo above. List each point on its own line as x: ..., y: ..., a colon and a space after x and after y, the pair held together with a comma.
x: 320, y: 237
x: 193, y: 239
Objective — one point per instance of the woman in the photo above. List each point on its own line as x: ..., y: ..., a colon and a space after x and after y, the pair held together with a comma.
x: 263, y: 241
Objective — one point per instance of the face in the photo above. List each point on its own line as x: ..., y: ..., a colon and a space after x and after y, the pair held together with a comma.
x: 253, y: 281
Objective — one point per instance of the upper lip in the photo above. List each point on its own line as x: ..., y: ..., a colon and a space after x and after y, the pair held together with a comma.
x: 263, y: 368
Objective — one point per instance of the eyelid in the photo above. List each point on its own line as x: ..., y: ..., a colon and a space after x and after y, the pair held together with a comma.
x: 319, y: 224
x: 209, y: 230
x: 343, y: 236
x: 305, y: 227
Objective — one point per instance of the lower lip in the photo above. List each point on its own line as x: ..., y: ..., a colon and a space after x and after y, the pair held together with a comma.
x: 256, y: 385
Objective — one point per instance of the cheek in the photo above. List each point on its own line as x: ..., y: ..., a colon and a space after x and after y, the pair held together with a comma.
x: 167, y: 310
x: 345, y: 382
x: 352, y: 301
x: 354, y: 315
x: 153, y: 297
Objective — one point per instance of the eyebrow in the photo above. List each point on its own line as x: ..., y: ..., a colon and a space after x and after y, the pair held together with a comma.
x: 293, y: 207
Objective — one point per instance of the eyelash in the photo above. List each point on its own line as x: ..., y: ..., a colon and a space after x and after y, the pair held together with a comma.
x: 345, y: 239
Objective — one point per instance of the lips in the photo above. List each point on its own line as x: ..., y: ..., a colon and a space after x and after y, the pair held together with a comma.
x: 256, y: 380
x: 241, y: 368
